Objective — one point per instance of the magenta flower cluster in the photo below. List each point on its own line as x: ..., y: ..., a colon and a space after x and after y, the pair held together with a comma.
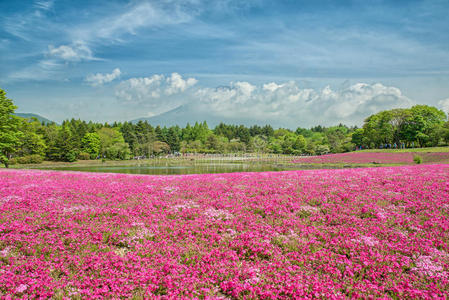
x: 331, y: 234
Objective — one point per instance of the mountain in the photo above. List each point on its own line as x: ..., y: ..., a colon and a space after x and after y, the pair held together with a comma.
x: 38, y: 117
x: 184, y: 114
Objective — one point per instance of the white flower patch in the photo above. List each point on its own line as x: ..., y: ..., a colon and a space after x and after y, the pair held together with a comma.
x: 76, y: 208
x: 137, y: 224
x: 230, y: 232
x: 381, y: 214
x: 170, y: 189
x: 185, y: 205
x: 73, y: 291
x: 308, y: 208
x: 426, y: 266
x: 21, y: 288
x: 5, y: 252
x: 255, y: 276
x: 213, y: 213
x: 30, y: 186
x: 367, y: 240
x: 219, y: 179
x: 138, y: 236
x: 439, y: 253
x: 10, y: 198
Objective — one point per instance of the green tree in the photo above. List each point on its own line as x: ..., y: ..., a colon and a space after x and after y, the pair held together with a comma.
x: 288, y: 143
x: 259, y: 143
x: 112, y: 143
x: 358, y: 136
x: 215, y: 143
x: 31, y: 142
x: 161, y: 147
x: 172, y: 138
x: 66, y: 144
x: 422, y: 121
x: 50, y: 134
x: 322, y: 149
x: 9, y: 135
x: 300, y: 144
x: 91, y: 144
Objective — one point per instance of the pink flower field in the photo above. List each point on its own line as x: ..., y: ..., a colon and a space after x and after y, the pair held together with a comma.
x: 374, y: 157
x: 330, y: 234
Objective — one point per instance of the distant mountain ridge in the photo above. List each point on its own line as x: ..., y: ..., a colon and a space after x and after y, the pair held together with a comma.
x: 184, y: 114
x: 31, y: 115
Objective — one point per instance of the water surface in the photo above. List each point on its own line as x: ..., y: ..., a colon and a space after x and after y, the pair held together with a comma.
x: 179, y: 169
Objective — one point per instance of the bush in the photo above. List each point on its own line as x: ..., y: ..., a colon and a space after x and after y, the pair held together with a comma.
x: 22, y: 160
x: 30, y: 159
x: 70, y: 156
x: 417, y: 159
x: 12, y: 161
x: 84, y: 156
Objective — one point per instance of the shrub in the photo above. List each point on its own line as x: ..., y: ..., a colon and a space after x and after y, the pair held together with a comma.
x: 417, y: 159
x: 84, y: 156
x: 30, y: 159
x: 36, y: 159
x: 12, y: 161
x: 70, y: 156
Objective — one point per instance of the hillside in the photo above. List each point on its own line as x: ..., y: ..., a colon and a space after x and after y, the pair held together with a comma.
x: 184, y: 114
x: 31, y: 115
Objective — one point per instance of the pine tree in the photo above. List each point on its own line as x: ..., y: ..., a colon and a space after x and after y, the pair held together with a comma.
x: 9, y: 135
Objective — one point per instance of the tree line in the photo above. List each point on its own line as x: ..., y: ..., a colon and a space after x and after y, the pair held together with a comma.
x: 30, y: 141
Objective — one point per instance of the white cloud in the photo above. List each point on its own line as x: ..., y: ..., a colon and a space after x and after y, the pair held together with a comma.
x: 43, y: 70
x: 100, y: 79
x: 76, y: 52
x: 178, y: 85
x: 44, y: 5
x: 157, y: 92
x: 291, y: 105
x: 272, y: 86
x: 139, y: 89
x: 114, y: 27
x: 444, y: 105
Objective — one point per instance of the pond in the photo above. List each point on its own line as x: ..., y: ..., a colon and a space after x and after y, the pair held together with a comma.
x: 198, y: 168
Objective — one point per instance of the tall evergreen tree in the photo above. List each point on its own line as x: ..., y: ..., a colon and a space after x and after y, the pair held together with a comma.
x: 9, y: 135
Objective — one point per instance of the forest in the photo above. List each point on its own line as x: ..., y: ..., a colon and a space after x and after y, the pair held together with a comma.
x: 30, y: 141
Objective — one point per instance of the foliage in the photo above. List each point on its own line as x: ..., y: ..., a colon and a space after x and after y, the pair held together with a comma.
x: 9, y: 135
x: 30, y: 159
x: 417, y: 159
x: 91, y: 144
x: 420, y: 125
x: 112, y: 144
x: 84, y: 156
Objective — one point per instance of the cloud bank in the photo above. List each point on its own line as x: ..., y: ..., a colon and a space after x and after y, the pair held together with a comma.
x: 301, y: 106
x: 157, y: 92
x: 287, y: 103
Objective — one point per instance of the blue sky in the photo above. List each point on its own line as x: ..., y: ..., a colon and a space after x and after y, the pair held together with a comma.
x: 293, y: 62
